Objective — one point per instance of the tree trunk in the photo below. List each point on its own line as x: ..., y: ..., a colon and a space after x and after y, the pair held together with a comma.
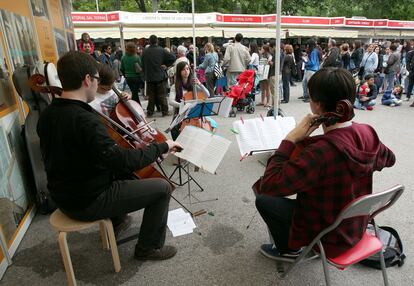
x: 154, y: 5
x: 141, y: 5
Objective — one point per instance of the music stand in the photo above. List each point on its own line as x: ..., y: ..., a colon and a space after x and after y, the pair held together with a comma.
x: 196, y: 109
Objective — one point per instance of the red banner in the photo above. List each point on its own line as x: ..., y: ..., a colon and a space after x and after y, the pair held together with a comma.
x: 89, y: 17
x: 337, y: 21
x: 400, y: 24
x: 380, y: 23
x: 359, y: 23
x: 112, y: 16
x: 240, y: 19
x: 305, y: 21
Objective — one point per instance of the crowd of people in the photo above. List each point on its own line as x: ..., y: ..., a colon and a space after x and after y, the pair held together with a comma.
x: 379, y: 68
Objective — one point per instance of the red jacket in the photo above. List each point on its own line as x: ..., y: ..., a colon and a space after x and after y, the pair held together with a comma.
x: 332, y: 170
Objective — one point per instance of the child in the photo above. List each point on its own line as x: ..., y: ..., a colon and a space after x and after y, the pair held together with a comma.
x: 392, y: 98
x: 367, y: 93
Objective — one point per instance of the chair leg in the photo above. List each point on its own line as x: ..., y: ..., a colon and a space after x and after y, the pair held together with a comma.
x: 324, y: 264
x: 112, y: 243
x: 64, y: 250
x: 383, y: 268
x: 104, y: 236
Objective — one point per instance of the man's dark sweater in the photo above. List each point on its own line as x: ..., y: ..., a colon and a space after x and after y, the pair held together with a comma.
x: 152, y: 60
x: 81, y: 160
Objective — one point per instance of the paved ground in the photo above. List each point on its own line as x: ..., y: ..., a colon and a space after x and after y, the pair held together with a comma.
x: 225, y: 252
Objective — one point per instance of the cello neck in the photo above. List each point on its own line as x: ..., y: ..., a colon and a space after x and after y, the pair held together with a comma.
x: 127, y: 104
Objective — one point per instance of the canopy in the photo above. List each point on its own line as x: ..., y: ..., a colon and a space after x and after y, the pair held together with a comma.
x: 250, y: 32
x: 326, y: 33
x: 141, y: 32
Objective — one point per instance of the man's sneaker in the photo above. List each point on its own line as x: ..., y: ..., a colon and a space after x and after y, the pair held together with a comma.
x: 407, y: 99
x: 124, y: 225
x: 392, y: 104
x: 162, y: 253
x: 270, y: 251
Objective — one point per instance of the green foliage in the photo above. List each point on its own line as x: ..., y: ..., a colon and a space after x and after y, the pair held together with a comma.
x: 379, y: 9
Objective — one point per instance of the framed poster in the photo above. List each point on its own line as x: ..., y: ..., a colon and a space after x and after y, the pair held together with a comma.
x: 20, y: 39
x: 60, y: 39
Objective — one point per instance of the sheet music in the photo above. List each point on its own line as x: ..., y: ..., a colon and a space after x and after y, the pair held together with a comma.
x: 270, y: 132
x: 215, y: 151
x: 262, y: 133
x: 202, y: 148
x: 248, y: 137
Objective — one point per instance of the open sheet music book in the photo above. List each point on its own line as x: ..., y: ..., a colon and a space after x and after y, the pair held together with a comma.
x: 202, y: 148
x: 263, y: 134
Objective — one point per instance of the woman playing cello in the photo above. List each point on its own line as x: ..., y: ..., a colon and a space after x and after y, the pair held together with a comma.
x: 331, y: 170
x: 183, y: 90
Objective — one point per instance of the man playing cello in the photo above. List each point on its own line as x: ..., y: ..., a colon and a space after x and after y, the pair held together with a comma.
x: 332, y: 170
x: 84, y: 165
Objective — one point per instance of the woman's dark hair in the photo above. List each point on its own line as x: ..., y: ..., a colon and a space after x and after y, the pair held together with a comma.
x: 357, y: 44
x: 330, y: 85
x: 254, y: 48
x: 73, y: 67
x: 118, y: 55
x: 106, y: 75
x: 310, y: 45
x: 178, y: 79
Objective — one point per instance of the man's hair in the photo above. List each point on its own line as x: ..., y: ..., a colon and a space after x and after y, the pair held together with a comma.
x: 106, y: 75
x: 330, y: 85
x: 368, y: 76
x: 239, y: 37
x: 393, y: 47
x: 333, y: 42
x: 153, y: 39
x: 72, y: 68
x: 105, y: 46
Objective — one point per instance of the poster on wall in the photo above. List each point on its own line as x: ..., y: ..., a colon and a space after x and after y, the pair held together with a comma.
x: 20, y: 39
x: 71, y: 41
x: 6, y: 90
x: 44, y: 30
x: 55, y: 14
x: 67, y: 14
x: 60, y: 39
x: 39, y: 8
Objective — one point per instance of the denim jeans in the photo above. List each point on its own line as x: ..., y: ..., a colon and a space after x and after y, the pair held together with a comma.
x: 306, y: 77
x: 277, y: 213
x: 127, y: 196
x: 389, y: 79
x: 363, y: 105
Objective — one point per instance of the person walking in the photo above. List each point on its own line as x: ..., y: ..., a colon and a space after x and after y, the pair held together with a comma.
x: 131, y: 68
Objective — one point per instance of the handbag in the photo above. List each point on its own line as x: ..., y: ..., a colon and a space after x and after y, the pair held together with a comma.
x: 218, y: 72
x: 362, y: 67
x: 137, y: 67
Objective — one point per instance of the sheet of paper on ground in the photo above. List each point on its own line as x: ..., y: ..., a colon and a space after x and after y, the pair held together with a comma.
x: 180, y: 222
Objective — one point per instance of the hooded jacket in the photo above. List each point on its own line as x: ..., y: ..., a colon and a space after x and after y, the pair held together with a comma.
x: 328, y: 173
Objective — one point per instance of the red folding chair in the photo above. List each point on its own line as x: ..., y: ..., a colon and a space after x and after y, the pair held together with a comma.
x: 369, y: 205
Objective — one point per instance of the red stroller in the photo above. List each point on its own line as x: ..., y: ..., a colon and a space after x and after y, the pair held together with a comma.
x: 242, y: 93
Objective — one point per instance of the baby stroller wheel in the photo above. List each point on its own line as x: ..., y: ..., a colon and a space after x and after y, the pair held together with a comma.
x: 232, y: 112
x: 250, y: 110
x: 240, y: 108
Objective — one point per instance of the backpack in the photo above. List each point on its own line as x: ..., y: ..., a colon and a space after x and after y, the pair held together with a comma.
x: 393, y: 248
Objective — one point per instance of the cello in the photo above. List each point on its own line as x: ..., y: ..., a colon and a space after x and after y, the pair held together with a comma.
x: 130, y: 115
x: 199, y: 122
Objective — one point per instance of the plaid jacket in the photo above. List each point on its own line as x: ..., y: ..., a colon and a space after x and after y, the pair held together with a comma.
x: 332, y: 170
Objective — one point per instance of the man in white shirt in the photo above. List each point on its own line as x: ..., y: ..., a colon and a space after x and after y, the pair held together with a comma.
x: 236, y: 59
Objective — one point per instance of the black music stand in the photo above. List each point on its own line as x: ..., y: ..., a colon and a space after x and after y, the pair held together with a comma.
x: 207, y: 107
